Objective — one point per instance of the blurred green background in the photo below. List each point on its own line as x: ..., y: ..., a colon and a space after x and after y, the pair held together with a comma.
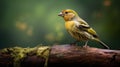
x: 28, y: 23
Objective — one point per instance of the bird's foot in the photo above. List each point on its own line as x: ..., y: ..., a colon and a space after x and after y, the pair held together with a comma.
x: 85, y: 46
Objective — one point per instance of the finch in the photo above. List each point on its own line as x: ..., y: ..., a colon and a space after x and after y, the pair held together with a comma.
x: 78, y: 28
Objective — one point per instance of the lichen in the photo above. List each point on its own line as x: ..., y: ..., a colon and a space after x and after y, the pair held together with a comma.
x: 44, y: 52
x: 19, y: 53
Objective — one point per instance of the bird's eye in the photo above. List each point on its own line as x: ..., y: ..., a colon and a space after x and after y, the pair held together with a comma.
x: 66, y: 12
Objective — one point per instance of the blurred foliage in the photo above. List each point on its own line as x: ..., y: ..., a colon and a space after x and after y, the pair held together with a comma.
x: 32, y: 22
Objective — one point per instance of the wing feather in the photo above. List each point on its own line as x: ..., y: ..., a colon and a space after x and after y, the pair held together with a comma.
x: 85, y: 27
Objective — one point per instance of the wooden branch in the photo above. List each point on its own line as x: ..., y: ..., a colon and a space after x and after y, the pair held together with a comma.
x: 59, y: 56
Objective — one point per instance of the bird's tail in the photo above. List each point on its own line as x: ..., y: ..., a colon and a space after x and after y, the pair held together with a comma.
x: 103, y: 44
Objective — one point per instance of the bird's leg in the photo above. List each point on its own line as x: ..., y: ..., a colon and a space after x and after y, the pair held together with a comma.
x: 74, y: 43
x: 86, y: 44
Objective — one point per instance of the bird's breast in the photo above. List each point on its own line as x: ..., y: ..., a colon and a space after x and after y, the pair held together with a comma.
x: 69, y: 25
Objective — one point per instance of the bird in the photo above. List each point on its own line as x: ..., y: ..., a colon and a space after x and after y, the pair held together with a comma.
x: 79, y: 28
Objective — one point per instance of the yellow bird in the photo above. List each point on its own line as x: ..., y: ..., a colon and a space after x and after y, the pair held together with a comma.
x: 78, y: 28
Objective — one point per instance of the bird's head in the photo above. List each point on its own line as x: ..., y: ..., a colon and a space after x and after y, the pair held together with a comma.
x: 68, y: 14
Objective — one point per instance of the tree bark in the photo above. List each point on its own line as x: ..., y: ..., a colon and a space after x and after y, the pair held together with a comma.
x: 60, y: 56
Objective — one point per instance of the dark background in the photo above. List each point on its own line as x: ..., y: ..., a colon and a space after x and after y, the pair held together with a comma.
x: 28, y: 23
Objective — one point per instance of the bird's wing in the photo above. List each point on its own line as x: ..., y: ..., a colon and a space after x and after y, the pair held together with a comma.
x: 85, y: 27
x: 92, y: 32
x: 82, y: 24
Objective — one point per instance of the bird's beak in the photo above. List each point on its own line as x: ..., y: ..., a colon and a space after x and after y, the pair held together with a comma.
x: 60, y: 14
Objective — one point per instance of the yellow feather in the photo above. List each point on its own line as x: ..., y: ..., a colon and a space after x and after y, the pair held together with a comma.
x: 69, y: 25
x: 91, y: 31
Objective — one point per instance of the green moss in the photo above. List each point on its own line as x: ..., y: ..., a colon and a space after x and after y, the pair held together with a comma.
x: 44, y: 52
x: 19, y: 53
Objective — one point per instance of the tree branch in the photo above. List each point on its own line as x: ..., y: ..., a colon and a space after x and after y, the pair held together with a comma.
x: 58, y: 56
